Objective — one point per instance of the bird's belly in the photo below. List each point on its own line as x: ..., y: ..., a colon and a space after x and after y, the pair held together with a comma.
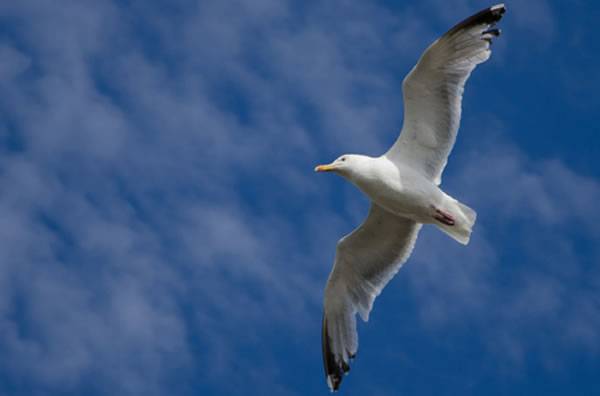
x: 415, y: 204
x: 405, y: 205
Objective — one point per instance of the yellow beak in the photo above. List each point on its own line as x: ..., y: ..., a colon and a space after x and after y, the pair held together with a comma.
x: 325, y: 168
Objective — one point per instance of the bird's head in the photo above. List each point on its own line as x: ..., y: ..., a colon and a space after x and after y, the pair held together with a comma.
x: 346, y: 165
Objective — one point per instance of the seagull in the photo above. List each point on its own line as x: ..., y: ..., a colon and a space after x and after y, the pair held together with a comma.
x: 403, y: 186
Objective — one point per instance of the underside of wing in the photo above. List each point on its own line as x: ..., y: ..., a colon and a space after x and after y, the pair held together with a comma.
x: 365, y: 261
x: 433, y: 93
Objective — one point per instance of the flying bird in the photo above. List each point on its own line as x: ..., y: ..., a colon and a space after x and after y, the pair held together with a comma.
x: 403, y: 186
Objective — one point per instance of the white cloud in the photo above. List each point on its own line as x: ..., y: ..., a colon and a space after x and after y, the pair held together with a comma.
x: 144, y: 219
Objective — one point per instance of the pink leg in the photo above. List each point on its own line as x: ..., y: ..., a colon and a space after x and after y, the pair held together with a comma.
x: 444, y: 217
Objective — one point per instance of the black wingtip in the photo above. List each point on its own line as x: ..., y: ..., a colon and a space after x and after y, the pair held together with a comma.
x: 334, y: 371
x: 488, y: 16
x: 493, y: 32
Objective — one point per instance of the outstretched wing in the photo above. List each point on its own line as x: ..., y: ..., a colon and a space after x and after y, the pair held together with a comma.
x: 365, y: 261
x: 433, y: 93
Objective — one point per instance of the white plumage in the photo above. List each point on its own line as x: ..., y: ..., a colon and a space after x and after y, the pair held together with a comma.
x: 403, y: 185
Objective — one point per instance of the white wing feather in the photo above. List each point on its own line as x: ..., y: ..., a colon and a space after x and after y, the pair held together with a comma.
x: 433, y: 93
x: 365, y: 261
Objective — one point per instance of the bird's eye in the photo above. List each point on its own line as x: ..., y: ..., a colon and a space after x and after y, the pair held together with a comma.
x: 343, y: 159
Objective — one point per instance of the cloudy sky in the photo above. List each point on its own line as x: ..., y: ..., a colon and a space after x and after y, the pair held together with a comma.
x: 162, y: 231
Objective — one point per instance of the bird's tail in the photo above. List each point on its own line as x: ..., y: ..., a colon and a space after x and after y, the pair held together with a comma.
x: 464, y: 219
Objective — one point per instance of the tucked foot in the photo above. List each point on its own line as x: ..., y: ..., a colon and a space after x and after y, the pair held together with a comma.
x: 443, y: 217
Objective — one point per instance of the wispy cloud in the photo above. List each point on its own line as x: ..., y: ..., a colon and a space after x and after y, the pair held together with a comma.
x: 160, y: 229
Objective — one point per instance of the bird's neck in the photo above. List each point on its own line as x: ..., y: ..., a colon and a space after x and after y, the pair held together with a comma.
x: 366, y: 172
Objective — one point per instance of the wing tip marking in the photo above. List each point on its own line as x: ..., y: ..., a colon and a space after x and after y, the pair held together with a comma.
x: 334, y: 370
x: 487, y: 16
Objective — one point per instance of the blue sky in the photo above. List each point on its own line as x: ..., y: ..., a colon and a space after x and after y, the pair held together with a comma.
x: 162, y: 231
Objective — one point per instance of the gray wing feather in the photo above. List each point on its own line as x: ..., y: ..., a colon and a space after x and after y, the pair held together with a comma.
x: 433, y: 93
x: 365, y: 261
